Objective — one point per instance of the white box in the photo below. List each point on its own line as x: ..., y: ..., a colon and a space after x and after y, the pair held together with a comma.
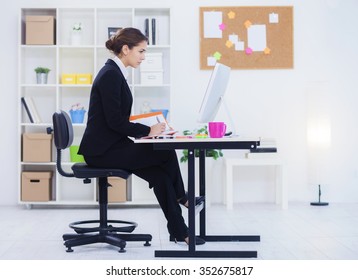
x: 151, y: 77
x: 152, y: 62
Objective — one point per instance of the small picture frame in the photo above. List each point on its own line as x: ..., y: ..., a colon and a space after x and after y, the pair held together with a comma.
x: 112, y: 31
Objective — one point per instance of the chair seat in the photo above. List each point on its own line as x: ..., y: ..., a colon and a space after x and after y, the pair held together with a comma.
x: 82, y: 170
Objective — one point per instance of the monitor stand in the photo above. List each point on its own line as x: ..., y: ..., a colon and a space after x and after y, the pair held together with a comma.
x: 231, y: 121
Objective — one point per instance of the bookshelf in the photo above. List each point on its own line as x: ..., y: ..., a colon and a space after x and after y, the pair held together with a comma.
x: 86, y: 57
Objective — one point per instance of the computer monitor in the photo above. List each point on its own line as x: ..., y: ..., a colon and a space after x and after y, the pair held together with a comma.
x: 214, y: 93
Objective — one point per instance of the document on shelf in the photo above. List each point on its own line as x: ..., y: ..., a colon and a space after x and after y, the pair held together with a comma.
x: 150, y: 119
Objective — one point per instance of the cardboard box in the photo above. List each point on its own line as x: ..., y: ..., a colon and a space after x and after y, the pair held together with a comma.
x: 40, y: 30
x: 151, y: 77
x: 68, y: 78
x: 36, y: 147
x: 83, y: 79
x: 152, y: 62
x: 36, y: 186
x: 118, y: 191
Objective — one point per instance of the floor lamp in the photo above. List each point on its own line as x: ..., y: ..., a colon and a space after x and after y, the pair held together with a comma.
x: 319, y: 203
x: 319, y: 140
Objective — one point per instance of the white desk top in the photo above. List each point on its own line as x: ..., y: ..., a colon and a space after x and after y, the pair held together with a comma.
x: 196, y: 140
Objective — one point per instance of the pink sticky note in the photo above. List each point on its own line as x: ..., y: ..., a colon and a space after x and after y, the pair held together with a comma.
x: 222, y: 26
x: 248, y: 51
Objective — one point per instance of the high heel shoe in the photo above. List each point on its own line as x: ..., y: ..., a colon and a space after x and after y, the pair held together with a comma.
x: 198, y: 240
x: 198, y: 200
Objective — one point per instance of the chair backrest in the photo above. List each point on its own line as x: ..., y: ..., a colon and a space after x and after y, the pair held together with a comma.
x: 62, y: 130
x: 63, y: 137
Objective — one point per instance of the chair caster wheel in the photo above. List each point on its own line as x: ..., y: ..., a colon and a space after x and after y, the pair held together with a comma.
x: 147, y: 244
x: 69, y: 250
x: 122, y: 250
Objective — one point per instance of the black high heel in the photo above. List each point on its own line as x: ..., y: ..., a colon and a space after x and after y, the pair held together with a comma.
x: 198, y: 240
x: 198, y: 200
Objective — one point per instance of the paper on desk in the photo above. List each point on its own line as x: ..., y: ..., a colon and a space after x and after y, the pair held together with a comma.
x: 150, y: 119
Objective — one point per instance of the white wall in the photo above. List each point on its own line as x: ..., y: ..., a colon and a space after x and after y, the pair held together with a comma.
x: 270, y: 103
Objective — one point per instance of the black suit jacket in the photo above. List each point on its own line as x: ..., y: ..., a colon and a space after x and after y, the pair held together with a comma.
x: 108, y: 114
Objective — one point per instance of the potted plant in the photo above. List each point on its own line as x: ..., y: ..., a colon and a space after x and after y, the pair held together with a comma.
x: 201, y: 132
x: 41, y: 74
x: 76, y: 35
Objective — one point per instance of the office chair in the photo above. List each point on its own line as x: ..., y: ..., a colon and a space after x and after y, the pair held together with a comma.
x: 114, y: 232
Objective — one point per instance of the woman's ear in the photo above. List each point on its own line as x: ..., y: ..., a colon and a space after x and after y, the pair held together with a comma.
x: 125, y: 49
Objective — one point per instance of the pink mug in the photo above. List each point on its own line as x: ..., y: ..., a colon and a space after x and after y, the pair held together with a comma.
x: 217, y: 129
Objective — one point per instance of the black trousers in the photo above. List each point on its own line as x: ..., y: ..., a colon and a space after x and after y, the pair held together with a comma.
x: 159, y: 168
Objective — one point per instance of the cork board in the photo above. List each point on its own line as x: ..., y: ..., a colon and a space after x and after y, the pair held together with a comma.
x: 246, y: 37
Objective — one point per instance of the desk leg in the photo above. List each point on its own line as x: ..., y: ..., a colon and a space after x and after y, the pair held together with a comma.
x: 281, y: 187
x: 202, y: 191
x: 229, y: 186
x: 191, y: 198
x: 192, y: 252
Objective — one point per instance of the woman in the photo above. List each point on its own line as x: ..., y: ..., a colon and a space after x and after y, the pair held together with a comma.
x: 105, y: 142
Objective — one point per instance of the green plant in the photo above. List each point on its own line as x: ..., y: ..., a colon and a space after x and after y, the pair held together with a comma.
x: 77, y: 26
x: 201, y: 132
x: 42, y: 70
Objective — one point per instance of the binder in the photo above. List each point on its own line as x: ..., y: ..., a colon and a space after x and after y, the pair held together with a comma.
x: 146, y: 29
x: 27, y: 109
x: 31, y: 109
x: 154, y: 31
x: 150, y: 30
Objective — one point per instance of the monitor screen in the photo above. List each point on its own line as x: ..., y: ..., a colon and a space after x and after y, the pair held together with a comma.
x: 214, y: 93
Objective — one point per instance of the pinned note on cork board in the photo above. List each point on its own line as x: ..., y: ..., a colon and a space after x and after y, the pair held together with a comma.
x: 247, y: 37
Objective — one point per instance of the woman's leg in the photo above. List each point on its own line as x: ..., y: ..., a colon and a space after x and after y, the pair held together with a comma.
x: 160, y: 169
x: 164, y: 191
x: 132, y: 157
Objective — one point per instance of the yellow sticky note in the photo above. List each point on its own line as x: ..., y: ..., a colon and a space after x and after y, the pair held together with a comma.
x: 229, y: 44
x: 267, y: 51
x: 247, y: 24
x: 231, y: 15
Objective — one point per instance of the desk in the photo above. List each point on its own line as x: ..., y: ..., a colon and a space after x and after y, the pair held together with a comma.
x: 192, y: 144
x: 230, y: 163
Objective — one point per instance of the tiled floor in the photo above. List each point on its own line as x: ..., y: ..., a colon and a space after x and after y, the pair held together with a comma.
x: 302, y: 232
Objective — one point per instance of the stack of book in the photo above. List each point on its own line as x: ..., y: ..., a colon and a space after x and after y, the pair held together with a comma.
x: 267, y: 149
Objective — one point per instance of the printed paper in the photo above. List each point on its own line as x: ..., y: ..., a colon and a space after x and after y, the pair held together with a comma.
x: 212, y: 22
x: 239, y: 46
x: 256, y: 35
x: 273, y: 18
x: 211, y: 61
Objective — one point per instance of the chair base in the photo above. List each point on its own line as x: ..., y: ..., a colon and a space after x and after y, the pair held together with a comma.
x: 105, y: 234
x: 126, y: 226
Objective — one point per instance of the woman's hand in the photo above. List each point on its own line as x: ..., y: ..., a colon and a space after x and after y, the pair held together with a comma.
x: 156, y: 129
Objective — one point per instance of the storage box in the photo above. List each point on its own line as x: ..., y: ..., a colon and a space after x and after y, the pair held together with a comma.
x: 77, y: 116
x: 151, y: 77
x: 36, y: 186
x: 152, y: 62
x: 83, y: 79
x: 36, y: 147
x: 68, y: 78
x: 40, y: 30
x: 74, y: 156
x: 118, y: 191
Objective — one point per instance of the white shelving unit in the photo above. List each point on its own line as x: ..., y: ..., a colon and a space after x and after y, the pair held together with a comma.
x: 88, y: 57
